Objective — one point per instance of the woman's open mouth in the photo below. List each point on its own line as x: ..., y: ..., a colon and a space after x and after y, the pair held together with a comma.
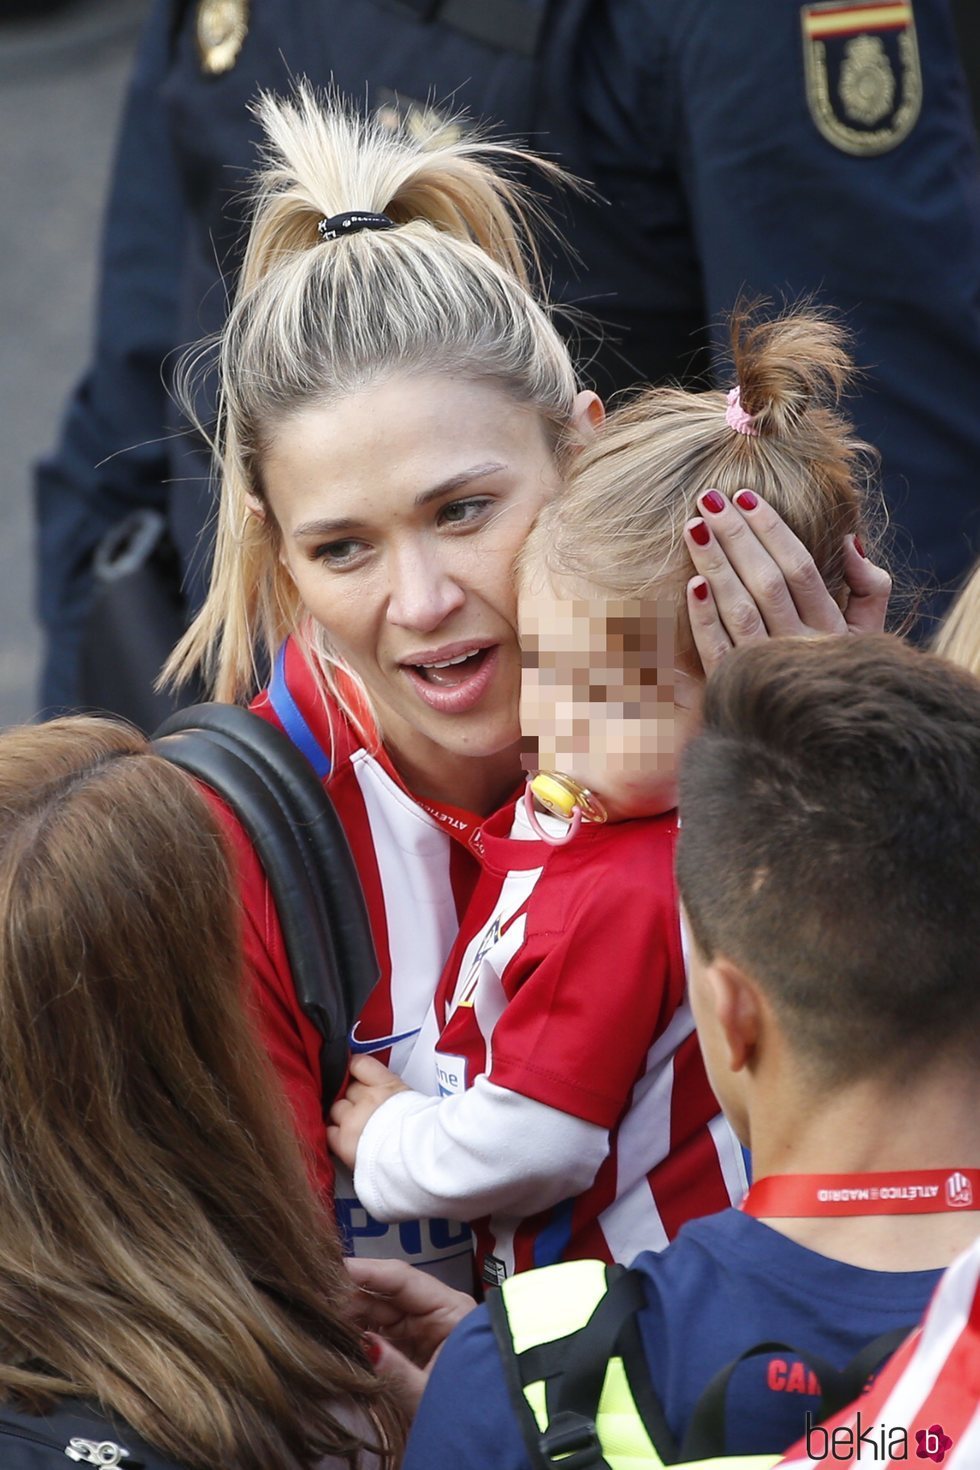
x: 457, y: 681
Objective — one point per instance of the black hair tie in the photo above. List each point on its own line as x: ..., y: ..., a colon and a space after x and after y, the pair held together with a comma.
x: 351, y: 222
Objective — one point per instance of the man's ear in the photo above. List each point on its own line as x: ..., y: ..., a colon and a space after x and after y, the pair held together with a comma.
x: 588, y: 414
x: 738, y: 1009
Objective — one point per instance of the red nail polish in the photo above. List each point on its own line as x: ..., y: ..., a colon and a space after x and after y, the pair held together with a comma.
x: 700, y: 533
x: 700, y: 590
x: 745, y: 500
x: 713, y: 502
x: 373, y: 1349
x: 858, y: 547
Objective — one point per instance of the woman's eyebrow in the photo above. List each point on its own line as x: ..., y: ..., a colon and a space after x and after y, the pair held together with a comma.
x: 326, y: 527
x: 445, y: 487
x: 456, y: 482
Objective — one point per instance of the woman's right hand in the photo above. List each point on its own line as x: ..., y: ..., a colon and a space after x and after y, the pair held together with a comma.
x: 406, y: 1307
x: 757, y: 580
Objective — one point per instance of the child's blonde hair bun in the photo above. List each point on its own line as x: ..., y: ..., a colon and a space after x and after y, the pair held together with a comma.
x: 788, y: 366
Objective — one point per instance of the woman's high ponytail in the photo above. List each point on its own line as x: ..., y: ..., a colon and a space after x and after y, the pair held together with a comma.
x: 323, y: 158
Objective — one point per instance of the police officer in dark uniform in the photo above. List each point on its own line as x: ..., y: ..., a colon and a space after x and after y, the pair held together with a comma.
x: 773, y: 149
x: 968, y: 24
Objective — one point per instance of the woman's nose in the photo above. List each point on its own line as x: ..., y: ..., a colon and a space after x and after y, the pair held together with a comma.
x: 422, y: 591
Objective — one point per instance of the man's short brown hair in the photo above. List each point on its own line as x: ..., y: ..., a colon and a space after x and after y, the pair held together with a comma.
x: 831, y: 846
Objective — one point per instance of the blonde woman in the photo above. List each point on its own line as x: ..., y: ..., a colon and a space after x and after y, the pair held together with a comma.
x: 393, y: 397
x: 959, y: 637
x: 169, y: 1286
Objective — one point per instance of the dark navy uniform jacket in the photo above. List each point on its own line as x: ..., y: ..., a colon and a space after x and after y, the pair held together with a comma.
x: 765, y: 147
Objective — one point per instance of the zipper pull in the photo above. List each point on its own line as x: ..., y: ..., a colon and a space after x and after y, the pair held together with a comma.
x: 96, y: 1452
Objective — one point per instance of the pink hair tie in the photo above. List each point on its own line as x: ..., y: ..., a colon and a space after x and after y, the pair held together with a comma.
x: 736, y: 418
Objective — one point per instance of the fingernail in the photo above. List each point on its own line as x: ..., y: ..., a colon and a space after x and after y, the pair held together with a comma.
x: 859, y: 548
x: 714, y: 502
x: 373, y: 1349
x: 700, y: 533
x: 700, y: 590
x: 745, y: 500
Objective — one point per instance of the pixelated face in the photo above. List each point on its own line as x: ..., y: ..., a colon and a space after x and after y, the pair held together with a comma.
x: 401, y: 510
x: 601, y: 700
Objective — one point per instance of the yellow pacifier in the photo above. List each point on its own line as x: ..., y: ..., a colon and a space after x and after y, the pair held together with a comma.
x: 562, y: 797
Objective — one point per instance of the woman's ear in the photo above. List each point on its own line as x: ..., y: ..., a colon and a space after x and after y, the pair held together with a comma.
x: 259, y: 510
x: 588, y: 414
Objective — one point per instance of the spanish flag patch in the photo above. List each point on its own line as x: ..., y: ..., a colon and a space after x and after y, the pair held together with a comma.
x: 863, y: 75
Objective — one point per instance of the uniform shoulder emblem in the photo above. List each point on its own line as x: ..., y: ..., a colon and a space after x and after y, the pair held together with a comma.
x: 863, y: 74
x: 222, y: 26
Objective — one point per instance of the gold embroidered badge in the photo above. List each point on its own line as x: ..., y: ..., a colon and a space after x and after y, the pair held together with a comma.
x: 222, y: 26
x: 863, y: 75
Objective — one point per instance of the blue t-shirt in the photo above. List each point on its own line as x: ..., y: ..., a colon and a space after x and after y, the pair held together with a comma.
x: 726, y: 1283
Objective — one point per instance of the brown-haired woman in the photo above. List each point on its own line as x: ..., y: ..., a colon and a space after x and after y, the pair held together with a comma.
x: 167, y: 1279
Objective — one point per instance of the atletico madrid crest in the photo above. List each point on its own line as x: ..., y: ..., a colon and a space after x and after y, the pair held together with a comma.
x: 863, y: 77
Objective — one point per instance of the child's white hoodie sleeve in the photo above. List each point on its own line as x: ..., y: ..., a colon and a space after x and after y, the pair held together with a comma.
x: 483, y: 1151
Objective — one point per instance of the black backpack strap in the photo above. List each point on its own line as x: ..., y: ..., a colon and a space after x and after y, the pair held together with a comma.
x: 573, y: 1369
x: 850, y: 1382
x: 706, y: 1439
x: 303, y: 849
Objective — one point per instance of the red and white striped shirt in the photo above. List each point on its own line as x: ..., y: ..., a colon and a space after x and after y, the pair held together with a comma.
x: 561, y: 1102
x: 417, y: 872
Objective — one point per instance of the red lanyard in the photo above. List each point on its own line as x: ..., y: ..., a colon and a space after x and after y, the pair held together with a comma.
x: 903, y: 1192
x: 462, y: 824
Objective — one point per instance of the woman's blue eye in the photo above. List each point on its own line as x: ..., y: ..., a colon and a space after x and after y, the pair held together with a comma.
x: 459, y: 512
x: 338, y: 552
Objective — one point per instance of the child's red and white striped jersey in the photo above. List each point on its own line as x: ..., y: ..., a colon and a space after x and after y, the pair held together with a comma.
x: 568, y: 1105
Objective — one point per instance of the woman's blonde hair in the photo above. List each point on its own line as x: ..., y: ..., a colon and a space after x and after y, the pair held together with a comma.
x: 313, y: 321
x: 959, y: 637
x: 161, y: 1250
x: 618, y: 523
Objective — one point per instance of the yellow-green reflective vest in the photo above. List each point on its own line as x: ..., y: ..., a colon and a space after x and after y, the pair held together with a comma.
x: 570, y: 1348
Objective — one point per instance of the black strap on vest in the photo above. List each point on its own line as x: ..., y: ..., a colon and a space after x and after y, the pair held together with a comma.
x: 573, y: 1369
x: 277, y: 797
x: 507, y: 25
x: 705, y: 1437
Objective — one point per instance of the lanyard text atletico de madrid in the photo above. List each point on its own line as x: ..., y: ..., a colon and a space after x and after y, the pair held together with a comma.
x: 902, y: 1192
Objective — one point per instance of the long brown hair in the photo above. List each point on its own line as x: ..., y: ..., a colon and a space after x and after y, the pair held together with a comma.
x: 161, y: 1250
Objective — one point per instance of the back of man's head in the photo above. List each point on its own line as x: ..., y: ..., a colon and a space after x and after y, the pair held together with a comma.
x: 830, y: 847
